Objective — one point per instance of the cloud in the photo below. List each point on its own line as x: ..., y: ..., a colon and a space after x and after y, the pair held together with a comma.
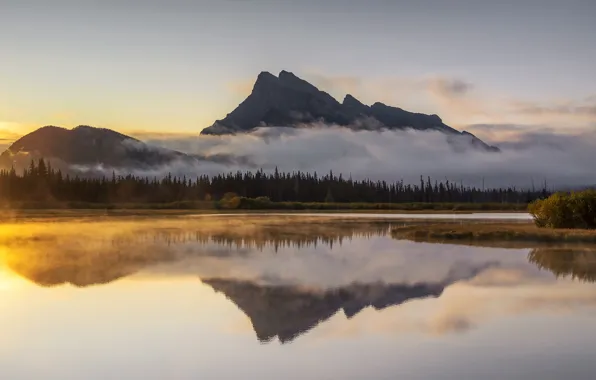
x: 450, y: 97
x: 467, y: 305
x: 8, y: 134
x: 10, y: 128
x: 534, y: 148
x: 481, y: 284
x: 458, y: 101
x: 401, y: 91
x: 449, y: 87
x: 471, y: 303
x: 567, y: 108
x: 561, y: 159
x: 505, y: 133
x: 569, y: 113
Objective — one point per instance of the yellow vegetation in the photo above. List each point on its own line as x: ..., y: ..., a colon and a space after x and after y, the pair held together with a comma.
x: 514, y: 232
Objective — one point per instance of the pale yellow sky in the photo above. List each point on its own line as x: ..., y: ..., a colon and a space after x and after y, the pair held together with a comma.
x: 425, y: 94
x: 108, y: 65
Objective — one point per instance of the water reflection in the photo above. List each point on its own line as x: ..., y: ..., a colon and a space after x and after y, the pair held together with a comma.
x: 286, y: 312
x: 286, y: 276
x: 98, y: 253
x: 576, y: 263
x: 264, y: 236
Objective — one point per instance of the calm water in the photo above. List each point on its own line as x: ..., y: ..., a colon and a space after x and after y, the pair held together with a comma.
x: 279, y: 297
x: 436, y: 216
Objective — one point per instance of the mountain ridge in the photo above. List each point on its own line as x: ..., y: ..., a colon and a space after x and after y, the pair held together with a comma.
x: 87, y: 146
x: 284, y: 100
x: 289, y: 101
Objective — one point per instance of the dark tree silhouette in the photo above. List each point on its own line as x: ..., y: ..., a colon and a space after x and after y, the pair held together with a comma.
x: 40, y: 182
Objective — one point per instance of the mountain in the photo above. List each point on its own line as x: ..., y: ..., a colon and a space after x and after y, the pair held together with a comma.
x: 85, y: 145
x: 287, y: 312
x: 287, y: 100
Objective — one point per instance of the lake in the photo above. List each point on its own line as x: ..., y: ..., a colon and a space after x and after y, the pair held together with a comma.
x: 286, y: 297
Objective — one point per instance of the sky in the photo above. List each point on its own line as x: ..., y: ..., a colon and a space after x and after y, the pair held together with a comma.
x: 177, y: 66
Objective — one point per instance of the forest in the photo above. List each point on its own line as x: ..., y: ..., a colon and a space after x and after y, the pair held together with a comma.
x: 42, y: 183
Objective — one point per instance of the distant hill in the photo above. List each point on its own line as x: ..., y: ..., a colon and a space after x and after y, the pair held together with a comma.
x: 85, y: 145
x: 287, y: 100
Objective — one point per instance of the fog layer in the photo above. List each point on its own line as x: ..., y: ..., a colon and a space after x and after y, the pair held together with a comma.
x: 525, y: 158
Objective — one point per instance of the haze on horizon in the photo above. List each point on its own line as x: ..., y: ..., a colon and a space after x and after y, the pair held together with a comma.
x: 176, y: 66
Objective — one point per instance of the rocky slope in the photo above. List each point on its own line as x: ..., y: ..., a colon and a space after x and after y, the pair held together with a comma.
x: 287, y: 100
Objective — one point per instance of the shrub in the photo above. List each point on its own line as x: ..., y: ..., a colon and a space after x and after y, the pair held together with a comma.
x: 583, y: 206
x: 565, y: 210
x: 228, y: 196
x: 229, y: 201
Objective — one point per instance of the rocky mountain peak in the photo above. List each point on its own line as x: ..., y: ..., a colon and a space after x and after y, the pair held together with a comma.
x: 349, y: 100
x: 290, y: 80
x: 265, y: 80
x: 354, y: 107
x: 289, y: 101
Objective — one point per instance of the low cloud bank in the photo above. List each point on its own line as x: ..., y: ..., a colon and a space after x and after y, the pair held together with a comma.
x: 525, y: 158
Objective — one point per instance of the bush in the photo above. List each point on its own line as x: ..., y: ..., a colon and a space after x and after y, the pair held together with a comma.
x: 565, y: 210
x: 229, y: 201
x: 584, y: 209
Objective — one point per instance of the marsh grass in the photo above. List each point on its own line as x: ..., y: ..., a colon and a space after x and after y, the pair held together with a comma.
x: 491, y: 232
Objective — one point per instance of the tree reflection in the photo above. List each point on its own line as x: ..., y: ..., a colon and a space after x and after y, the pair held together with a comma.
x: 262, y: 237
x: 280, y: 308
x: 576, y: 263
x: 84, y: 259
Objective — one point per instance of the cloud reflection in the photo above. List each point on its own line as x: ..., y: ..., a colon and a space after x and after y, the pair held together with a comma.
x: 290, y: 274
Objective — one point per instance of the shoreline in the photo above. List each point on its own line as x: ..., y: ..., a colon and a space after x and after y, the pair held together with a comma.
x: 492, y: 232
x: 7, y: 215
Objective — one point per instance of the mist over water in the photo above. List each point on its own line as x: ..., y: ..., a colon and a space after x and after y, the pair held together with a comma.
x: 146, y: 297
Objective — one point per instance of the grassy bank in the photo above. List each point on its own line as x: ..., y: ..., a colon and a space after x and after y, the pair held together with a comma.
x: 485, y: 232
x: 259, y: 205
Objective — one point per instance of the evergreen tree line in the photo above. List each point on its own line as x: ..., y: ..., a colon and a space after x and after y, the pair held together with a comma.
x: 40, y: 182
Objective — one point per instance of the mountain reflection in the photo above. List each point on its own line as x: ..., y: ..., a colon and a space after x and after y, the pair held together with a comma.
x: 282, y: 308
x: 287, y: 312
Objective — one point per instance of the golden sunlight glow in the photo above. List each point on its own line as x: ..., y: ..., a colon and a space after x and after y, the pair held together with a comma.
x: 8, y: 280
x: 11, y: 127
